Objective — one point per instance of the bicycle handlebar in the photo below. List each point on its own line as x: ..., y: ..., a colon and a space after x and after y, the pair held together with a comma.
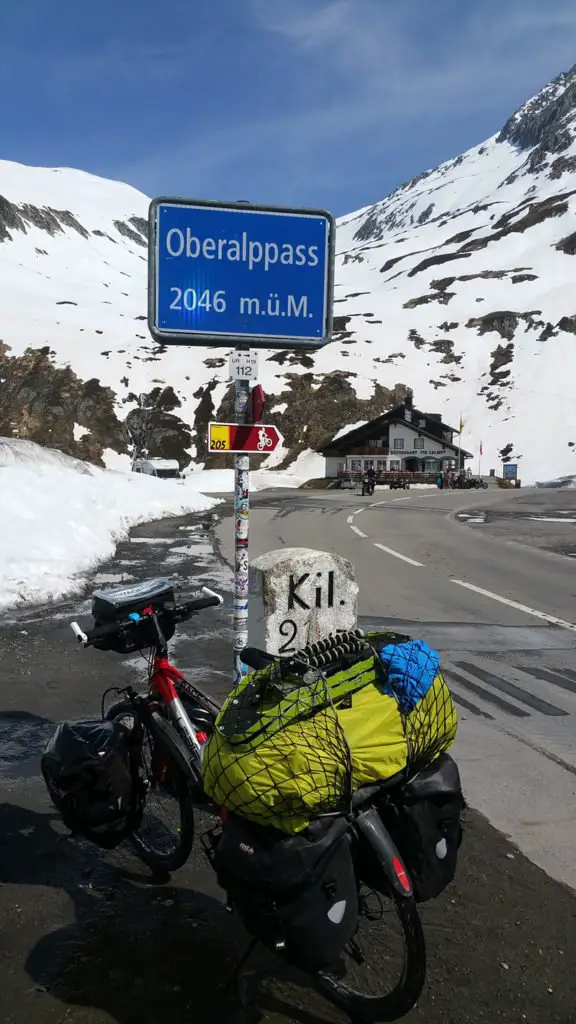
x: 181, y: 612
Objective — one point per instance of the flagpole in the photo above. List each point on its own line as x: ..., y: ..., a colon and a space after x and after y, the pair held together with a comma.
x: 461, y: 425
x: 480, y: 460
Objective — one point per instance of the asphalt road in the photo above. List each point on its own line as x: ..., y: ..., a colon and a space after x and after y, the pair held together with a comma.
x: 85, y: 938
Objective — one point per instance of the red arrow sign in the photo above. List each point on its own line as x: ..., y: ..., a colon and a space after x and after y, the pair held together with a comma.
x: 247, y: 439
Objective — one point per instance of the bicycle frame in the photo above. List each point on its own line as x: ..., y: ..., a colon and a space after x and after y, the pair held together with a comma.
x: 162, y: 682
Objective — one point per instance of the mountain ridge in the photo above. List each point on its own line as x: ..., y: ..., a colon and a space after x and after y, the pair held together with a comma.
x: 457, y: 286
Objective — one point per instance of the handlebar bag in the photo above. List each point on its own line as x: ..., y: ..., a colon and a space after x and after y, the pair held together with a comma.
x: 115, y: 604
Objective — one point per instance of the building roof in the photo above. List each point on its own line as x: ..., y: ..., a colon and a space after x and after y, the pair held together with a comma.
x: 396, y: 415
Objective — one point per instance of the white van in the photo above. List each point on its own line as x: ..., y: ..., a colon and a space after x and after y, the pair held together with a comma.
x: 165, y: 469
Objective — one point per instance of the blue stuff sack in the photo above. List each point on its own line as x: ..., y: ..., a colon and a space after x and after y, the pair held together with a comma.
x: 411, y: 669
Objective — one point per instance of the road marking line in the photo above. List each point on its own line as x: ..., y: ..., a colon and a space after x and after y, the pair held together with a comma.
x: 552, y: 619
x: 400, y: 499
x: 358, y: 511
x: 350, y: 520
x: 396, y: 554
x: 359, y: 532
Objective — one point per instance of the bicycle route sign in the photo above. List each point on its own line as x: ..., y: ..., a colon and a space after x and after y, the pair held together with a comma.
x: 227, y: 274
x: 247, y: 439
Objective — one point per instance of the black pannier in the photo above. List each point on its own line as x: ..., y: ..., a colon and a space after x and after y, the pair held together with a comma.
x: 424, y: 820
x: 115, y: 604
x: 296, y: 894
x: 87, y: 770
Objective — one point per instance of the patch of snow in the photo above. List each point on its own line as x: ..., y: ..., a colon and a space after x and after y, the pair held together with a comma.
x: 113, y: 460
x: 79, y: 432
x: 61, y: 517
x: 349, y: 429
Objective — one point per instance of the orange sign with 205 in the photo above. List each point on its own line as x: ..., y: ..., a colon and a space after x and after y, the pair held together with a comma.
x: 246, y: 438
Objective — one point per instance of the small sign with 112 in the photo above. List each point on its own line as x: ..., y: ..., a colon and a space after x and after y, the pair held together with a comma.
x: 243, y: 365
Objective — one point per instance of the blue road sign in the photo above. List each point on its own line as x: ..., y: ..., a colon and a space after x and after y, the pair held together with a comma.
x: 225, y: 274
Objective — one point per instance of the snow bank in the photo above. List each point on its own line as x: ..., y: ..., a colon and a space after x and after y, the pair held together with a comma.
x: 59, y: 517
x: 308, y: 466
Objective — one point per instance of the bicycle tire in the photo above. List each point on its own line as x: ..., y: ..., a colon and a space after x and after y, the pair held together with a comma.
x: 166, y: 740
x: 375, y: 1009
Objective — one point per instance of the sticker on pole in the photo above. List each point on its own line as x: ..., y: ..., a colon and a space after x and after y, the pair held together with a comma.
x: 226, y: 273
x: 247, y: 439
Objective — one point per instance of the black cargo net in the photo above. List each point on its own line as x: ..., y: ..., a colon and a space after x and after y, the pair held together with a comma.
x: 280, y: 754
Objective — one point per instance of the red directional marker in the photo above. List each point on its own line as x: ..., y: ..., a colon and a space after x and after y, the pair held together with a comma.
x: 246, y: 439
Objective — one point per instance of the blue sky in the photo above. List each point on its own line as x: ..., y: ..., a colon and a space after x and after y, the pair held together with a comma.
x: 326, y: 103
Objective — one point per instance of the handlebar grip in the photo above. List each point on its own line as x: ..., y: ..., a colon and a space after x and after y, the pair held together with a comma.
x: 106, y: 629
x: 199, y: 603
x: 210, y: 600
x: 79, y: 633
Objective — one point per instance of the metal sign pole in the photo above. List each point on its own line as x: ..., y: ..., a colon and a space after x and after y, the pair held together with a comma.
x: 241, y: 512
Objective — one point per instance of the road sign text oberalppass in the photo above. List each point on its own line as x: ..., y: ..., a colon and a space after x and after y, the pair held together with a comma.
x: 220, y: 274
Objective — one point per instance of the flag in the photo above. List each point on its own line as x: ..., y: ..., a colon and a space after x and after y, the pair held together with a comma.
x: 481, y: 452
x: 461, y: 427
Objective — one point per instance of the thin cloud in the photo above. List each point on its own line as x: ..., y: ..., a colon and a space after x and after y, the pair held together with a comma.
x: 389, y: 70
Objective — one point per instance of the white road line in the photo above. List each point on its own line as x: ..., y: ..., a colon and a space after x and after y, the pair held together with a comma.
x: 359, y: 510
x: 350, y: 520
x: 552, y: 619
x: 359, y: 532
x: 396, y: 554
x: 400, y: 499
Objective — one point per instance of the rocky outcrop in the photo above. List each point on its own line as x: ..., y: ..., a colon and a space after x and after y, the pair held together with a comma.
x: 42, y: 402
x: 154, y: 427
x: 540, y: 123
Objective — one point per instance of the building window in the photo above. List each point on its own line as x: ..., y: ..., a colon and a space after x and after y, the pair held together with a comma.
x: 374, y: 442
x: 398, y: 444
x: 355, y: 465
x: 408, y: 415
x: 447, y: 436
x: 418, y: 442
x: 368, y: 464
x: 422, y: 423
x: 394, y: 464
x: 381, y: 465
x: 341, y: 468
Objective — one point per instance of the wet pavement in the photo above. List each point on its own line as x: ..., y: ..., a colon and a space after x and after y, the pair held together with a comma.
x: 89, y: 938
x: 541, y: 518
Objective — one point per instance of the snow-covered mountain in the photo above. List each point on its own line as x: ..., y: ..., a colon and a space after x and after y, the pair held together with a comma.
x: 458, y: 286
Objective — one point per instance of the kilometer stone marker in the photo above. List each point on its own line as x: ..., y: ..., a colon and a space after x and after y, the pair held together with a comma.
x: 299, y: 595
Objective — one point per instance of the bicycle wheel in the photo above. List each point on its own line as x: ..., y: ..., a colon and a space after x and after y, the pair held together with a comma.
x: 375, y: 984
x: 165, y: 835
